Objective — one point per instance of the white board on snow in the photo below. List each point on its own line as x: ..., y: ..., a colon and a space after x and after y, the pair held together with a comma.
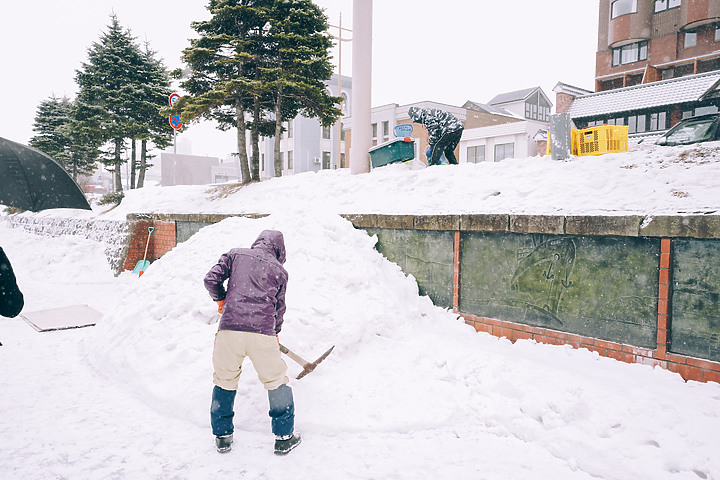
x: 62, y: 318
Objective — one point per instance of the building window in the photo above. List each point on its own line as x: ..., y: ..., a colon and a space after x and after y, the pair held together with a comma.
x: 476, y: 154
x: 658, y: 121
x: 637, y: 123
x: 662, y: 5
x: 690, y: 39
x: 326, y: 133
x: 326, y: 160
x: 342, y: 132
x: 342, y: 160
x: 374, y: 133
x: 262, y: 162
x: 634, y: 52
x: 386, y: 131
x: 290, y: 160
x: 504, y: 150
x: 647, y: 121
x: 536, y: 108
x: 622, y: 7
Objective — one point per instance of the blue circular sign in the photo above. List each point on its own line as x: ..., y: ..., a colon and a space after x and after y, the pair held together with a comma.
x: 175, y: 122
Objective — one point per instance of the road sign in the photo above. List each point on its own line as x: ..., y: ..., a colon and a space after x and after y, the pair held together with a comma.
x: 175, y: 122
x: 174, y: 98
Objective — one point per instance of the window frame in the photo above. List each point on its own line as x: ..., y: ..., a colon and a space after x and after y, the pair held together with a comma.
x: 639, y: 50
x: 475, y: 157
x: 504, y: 147
x: 631, y: 8
x: 666, y: 5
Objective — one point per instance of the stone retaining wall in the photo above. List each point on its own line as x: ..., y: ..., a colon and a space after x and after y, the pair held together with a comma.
x: 637, y: 289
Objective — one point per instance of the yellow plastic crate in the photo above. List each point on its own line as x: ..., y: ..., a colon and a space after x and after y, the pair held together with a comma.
x: 602, y: 139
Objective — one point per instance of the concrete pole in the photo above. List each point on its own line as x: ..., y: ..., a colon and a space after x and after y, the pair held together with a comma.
x: 361, y: 139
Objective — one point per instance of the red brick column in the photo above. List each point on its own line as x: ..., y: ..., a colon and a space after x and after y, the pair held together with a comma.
x: 456, y: 273
x: 161, y: 241
x: 663, y: 300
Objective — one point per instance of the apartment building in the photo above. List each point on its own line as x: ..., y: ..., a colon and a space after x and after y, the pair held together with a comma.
x: 657, y: 62
x: 643, y: 41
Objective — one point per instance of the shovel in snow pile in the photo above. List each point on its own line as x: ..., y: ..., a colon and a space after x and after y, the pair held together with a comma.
x: 142, y: 265
x: 307, y: 366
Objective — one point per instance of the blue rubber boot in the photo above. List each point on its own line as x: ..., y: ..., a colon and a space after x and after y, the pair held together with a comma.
x: 221, y: 417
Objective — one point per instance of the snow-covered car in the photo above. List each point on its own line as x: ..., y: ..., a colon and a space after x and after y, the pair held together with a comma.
x: 704, y: 128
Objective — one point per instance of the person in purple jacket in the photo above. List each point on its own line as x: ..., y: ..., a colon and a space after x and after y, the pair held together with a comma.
x: 252, y: 309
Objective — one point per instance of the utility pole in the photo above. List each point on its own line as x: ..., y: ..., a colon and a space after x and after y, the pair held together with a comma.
x: 362, y: 87
x: 340, y: 39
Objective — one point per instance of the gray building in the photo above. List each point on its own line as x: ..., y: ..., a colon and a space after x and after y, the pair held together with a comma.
x: 306, y: 146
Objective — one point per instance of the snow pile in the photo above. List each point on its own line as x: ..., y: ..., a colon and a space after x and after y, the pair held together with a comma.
x: 410, y: 391
x: 649, y: 179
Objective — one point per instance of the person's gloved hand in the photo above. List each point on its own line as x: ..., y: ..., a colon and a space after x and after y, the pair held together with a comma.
x: 220, y: 305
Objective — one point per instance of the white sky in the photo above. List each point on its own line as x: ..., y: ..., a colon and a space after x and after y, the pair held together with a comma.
x: 449, y: 51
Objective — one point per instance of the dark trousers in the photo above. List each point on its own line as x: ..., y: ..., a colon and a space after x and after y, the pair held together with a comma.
x: 282, y: 411
x: 446, y: 145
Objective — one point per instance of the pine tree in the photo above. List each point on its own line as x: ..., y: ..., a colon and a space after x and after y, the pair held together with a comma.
x: 220, y: 84
x: 298, y: 67
x: 154, y: 84
x: 56, y: 137
x: 261, y: 57
x: 52, y: 114
x: 109, y: 93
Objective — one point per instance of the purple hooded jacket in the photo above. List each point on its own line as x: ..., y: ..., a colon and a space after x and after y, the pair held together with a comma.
x: 255, y: 296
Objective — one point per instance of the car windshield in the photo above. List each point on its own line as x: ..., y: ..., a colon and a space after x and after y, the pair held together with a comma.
x: 691, y: 132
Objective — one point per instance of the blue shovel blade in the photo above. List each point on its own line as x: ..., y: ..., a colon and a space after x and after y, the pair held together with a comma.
x: 141, y: 266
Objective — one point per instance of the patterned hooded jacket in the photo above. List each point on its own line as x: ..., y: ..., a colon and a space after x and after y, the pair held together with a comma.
x: 438, y: 122
x: 255, y: 295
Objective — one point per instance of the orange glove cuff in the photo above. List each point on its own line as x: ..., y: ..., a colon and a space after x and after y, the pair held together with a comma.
x: 220, y: 305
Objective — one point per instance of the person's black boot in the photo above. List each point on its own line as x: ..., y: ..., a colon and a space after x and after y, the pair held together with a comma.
x: 283, y: 445
x: 224, y: 443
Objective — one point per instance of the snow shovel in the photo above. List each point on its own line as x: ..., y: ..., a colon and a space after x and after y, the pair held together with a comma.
x: 307, y: 366
x: 142, y: 265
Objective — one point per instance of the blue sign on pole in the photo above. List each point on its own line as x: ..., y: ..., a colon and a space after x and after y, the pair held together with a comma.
x: 175, y: 122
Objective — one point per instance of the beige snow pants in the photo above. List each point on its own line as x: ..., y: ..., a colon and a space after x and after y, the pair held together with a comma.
x: 232, y: 347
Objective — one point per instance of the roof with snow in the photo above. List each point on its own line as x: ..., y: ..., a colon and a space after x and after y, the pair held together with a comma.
x: 485, y: 108
x: 639, y: 97
x: 515, y: 96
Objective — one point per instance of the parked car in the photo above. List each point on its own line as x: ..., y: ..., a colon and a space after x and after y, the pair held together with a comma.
x: 703, y: 128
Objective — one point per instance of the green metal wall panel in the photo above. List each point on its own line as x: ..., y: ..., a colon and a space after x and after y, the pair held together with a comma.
x: 426, y: 255
x: 185, y: 230
x: 602, y: 287
x: 695, y: 302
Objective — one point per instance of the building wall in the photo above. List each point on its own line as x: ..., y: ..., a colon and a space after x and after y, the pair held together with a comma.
x: 181, y: 169
x: 665, y: 33
x: 520, y: 134
x: 307, y: 142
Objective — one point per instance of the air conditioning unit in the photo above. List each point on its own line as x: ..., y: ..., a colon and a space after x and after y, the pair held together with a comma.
x: 317, y: 160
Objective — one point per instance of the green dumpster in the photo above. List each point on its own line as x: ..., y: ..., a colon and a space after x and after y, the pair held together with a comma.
x: 395, y: 150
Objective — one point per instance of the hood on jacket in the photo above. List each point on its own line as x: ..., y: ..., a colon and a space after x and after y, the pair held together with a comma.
x: 417, y: 114
x: 271, y: 241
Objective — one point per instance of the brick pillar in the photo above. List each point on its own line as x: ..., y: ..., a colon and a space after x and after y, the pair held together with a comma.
x: 663, y: 322
x: 456, y: 273
x: 161, y: 241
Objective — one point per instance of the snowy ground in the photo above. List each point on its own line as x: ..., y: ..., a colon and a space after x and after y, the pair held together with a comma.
x: 410, y: 392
